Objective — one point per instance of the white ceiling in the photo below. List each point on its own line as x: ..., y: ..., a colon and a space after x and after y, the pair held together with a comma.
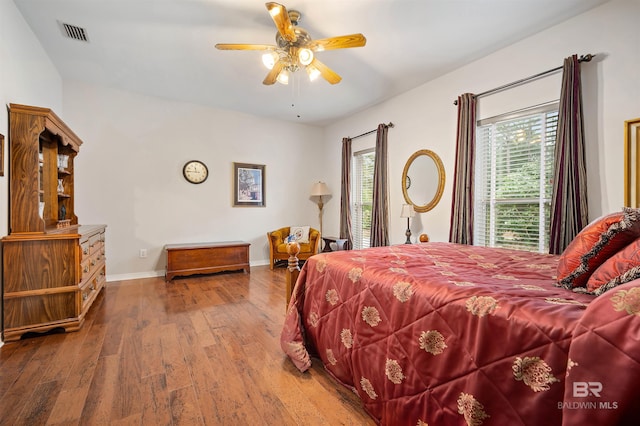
x: 166, y: 48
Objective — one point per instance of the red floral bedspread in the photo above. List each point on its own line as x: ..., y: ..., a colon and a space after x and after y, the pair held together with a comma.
x: 445, y: 334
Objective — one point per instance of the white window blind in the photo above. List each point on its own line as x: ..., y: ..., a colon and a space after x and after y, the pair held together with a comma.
x: 514, y: 179
x: 362, y: 197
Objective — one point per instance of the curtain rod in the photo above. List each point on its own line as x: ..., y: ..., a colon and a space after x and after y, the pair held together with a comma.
x: 370, y: 131
x: 584, y: 58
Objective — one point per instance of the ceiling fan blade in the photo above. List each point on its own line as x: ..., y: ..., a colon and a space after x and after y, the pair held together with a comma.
x: 327, y: 73
x: 340, y: 42
x: 273, y: 74
x: 283, y: 23
x: 227, y: 46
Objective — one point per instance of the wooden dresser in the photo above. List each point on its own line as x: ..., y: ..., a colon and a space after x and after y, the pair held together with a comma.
x: 53, y: 268
x: 206, y: 258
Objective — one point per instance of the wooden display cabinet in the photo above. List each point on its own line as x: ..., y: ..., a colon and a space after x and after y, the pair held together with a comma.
x: 38, y: 140
x: 53, y: 269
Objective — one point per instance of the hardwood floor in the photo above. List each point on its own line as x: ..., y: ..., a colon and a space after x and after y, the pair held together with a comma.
x: 200, y: 350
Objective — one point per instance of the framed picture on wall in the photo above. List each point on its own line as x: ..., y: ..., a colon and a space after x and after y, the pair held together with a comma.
x: 632, y: 163
x: 248, y: 185
x: 1, y: 155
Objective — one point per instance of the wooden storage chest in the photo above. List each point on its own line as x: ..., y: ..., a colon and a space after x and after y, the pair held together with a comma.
x: 206, y: 258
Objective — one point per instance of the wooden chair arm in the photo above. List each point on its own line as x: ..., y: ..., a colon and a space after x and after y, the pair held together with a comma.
x: 314, y: 240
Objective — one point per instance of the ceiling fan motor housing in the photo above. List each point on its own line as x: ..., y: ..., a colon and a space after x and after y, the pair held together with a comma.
x: 288, y: 50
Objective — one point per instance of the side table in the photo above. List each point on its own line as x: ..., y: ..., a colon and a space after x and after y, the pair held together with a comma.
x: 341, y: 244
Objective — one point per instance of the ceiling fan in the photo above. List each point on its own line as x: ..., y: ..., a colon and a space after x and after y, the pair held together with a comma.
x: 295, y: 49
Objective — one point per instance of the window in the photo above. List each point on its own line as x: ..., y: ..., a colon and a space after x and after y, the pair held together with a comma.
x: 362, y: 197
x: 514, y: 179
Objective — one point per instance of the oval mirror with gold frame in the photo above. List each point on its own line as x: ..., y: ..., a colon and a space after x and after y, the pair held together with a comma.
x: 423, y: 180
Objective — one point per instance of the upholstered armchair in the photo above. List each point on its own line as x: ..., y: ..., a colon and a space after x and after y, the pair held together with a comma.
x: 278, y: 245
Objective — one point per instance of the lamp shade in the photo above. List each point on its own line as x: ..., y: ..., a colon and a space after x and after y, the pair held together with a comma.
x: 319, y: 189
x: 407, y: 211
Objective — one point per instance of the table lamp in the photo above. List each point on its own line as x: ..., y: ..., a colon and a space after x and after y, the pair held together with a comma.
x: 408, y: 212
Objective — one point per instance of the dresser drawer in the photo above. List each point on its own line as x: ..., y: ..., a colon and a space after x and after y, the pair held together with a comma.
x: 91, y: 243
x: 91, y: 264
x: 84, y: 248
x: 90, y: 289
x: 96, y: 242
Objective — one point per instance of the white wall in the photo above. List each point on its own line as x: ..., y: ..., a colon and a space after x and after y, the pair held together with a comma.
x: 425, y: 117
x: 129, y: 174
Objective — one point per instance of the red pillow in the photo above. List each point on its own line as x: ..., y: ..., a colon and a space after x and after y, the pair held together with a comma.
x: 597, y: 242
x: 622, y: 267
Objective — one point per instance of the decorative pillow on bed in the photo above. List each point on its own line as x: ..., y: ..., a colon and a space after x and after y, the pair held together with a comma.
x: 596, y: 243
x: 622, y: 267
x: 299, y: 234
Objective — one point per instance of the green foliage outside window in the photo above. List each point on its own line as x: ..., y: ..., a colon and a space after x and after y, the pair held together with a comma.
x: 514, y: 184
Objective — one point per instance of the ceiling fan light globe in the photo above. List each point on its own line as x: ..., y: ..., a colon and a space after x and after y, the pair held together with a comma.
x: 269, y: 59
x: 312, y: 72
x: 283, y: 77
x: 305, y: 56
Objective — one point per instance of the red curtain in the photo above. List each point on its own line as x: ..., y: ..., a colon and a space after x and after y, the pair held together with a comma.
x: 461, y: 225
x: 345, y: 194
x: 569, y: 200
x: 380, y: 208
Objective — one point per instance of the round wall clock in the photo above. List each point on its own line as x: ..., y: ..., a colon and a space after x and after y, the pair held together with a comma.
x: 195, y: 171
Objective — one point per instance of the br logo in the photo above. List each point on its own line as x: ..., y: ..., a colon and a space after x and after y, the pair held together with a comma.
x: 584, y: 389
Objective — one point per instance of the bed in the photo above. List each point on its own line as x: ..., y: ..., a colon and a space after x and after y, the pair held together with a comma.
x: 448, y: 334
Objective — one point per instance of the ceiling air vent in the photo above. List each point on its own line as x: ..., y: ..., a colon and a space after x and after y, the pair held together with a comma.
x: 74, y: 32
